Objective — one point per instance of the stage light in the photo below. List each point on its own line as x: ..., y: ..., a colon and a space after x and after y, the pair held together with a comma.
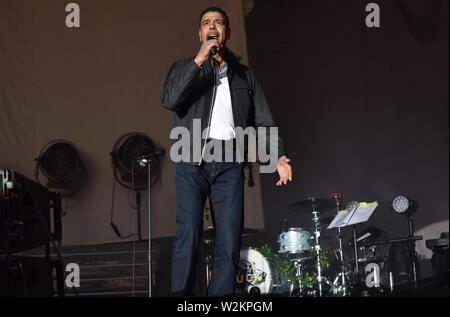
x: 127, y: 149
x: 60, y: 161
x: 400, y: 204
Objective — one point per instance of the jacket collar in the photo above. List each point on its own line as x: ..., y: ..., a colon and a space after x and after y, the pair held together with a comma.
x: 232, y: 60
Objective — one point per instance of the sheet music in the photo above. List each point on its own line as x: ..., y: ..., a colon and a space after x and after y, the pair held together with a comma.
x: 339, y: 220
x: 360, y: 214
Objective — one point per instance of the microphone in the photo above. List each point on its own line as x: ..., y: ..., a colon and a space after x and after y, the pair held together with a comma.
x: 213, y: 50
x: 147, y: 158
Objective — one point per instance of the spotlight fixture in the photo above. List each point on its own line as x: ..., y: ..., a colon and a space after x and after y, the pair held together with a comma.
x: 401, y: 205
x: 60, y: 161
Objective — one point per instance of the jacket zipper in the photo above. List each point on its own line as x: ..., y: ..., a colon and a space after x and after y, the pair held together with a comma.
x: 213, y: 99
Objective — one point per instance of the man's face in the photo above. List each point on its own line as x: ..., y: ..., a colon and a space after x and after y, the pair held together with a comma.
x: 214, y: 23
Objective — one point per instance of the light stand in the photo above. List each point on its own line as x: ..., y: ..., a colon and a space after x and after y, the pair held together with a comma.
x: 412, y: 247
x: 402, y: 204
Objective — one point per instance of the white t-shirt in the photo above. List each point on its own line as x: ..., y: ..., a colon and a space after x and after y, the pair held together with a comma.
x: 222, y: 122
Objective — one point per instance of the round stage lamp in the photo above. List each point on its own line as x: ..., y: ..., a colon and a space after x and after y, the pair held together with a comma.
x: 60, y: 161
x: 127, y: 149
x: 400, y: 204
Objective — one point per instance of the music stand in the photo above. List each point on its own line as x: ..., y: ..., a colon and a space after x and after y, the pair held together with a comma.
x: 359, y: 214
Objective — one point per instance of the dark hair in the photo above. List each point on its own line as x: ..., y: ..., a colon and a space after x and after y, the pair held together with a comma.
x: 215, y: 9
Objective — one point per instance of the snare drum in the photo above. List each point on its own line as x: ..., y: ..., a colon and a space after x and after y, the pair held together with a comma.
x: 294, y: 241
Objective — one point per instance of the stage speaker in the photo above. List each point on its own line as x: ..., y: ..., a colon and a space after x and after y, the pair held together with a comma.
x: 25, y: 277
x: 21, y: 226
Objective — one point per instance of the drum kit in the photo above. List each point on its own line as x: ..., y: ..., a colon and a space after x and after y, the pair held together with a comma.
x: 308, y: 270
x: 306, y: 266
x: 299, y: 246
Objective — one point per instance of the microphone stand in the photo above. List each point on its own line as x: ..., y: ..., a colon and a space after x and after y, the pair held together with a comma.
x: 150, y: 275
x: 147, y: 162
x: 147, y: 159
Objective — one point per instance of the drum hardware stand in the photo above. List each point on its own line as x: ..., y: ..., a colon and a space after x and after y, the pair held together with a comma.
x: 298, y: 266
x: 338, y: 197
x: 316, y: 205
x: 317, y: 246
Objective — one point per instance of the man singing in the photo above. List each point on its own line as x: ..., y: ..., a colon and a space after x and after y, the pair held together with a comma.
x: 215, y: 88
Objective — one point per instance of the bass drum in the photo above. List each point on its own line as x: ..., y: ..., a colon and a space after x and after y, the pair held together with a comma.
x: 259, y: 276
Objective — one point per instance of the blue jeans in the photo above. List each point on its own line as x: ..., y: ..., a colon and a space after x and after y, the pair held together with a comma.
x: 223, y: 182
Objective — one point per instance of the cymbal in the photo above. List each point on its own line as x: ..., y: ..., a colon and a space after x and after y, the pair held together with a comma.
x: 209, y: 234
x: 313, y: 204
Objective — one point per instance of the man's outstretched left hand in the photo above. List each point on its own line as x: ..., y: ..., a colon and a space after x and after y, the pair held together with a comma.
x: 284, y: 170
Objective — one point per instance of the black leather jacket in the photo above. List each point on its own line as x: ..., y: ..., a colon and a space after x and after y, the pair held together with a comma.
x: 188, y: 91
